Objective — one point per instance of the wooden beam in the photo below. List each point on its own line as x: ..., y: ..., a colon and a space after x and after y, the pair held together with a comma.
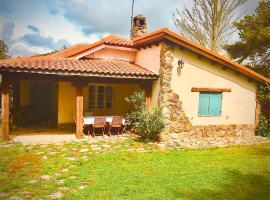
x: 79, y: 112
x: 210, y: 89
x: 5, y: 106
x: 213, y: 63
x: 78, y: 83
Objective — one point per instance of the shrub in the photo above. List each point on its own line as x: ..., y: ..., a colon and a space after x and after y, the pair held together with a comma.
x: 150, y: 124
x: 137, y: 104
x: 262, y: 128
x: 147, y: 122
x: 263, y: 93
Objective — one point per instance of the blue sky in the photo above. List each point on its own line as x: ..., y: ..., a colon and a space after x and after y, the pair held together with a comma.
x: 40, y: 26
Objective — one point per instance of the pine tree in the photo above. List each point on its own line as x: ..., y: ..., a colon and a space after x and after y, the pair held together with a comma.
x: 253, y: 49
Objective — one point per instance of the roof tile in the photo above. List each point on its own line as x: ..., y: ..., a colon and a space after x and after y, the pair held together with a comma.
x: 86, y: 67
x: 113, y: 40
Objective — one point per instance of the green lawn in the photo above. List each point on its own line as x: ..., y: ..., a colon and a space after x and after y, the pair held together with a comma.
x: 131, y: 170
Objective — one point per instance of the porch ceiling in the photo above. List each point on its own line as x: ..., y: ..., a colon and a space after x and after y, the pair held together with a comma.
x: 90, y: 68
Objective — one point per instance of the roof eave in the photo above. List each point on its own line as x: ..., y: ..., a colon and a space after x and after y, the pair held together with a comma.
x: 167, y: 35
x: 82, y: 74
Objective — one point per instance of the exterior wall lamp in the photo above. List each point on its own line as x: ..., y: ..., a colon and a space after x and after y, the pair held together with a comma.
x: 180, y: 66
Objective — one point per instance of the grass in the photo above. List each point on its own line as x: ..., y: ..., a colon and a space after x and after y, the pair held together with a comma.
x: 127, y: 169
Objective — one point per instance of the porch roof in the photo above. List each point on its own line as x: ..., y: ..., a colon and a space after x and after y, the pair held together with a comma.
x: 64, y: 66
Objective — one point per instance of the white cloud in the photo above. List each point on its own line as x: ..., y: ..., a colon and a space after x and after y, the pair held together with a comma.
x: 22, y: 49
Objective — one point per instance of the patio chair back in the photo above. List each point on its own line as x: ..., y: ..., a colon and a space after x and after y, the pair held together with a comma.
x: 87, y: 114
x: 117, y: 121
x: 99, y: 122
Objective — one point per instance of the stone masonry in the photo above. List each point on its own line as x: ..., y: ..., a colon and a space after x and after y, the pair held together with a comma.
x: 139, y: 26
x: 177, y: 125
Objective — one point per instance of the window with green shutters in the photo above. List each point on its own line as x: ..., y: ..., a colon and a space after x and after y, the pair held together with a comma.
x: 210, y: 103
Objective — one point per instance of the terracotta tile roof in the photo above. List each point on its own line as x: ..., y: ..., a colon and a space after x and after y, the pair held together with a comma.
x: 119, y: 41
x: 100, y: 68
x: 166, y: 34
x: 53, y: 61
x: 75, y: 49
x: 113, y: 40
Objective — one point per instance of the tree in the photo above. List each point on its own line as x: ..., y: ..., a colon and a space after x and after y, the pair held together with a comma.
x: 253, y: 48
x: 3, y: 50
x: 209, y: 22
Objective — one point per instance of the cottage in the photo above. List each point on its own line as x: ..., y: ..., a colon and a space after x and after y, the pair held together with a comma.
x: 199, y: 90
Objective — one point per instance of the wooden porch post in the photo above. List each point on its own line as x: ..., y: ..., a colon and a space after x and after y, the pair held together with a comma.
x: 79, y: 112
x: 148, y: 96
x: 147, y: 87
x: 5, y: 106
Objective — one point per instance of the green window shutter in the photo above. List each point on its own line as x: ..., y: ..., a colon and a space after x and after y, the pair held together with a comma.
x: 204, y: 103
x: 215, y: 104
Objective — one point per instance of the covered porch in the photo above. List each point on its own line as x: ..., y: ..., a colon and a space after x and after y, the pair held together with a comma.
x: 57, y: 103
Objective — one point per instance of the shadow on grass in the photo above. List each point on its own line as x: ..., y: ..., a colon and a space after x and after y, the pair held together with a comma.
x: 236, y: 186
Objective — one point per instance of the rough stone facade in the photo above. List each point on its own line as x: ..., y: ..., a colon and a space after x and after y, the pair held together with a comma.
x: 139, y: 26
x: 177, y: 125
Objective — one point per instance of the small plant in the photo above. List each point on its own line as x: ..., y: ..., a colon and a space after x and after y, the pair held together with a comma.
x: 146, y: 122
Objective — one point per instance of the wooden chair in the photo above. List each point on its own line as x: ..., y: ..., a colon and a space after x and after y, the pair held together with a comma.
x: 87, y: 114
x: 99, y: 122
x: 117, y: 123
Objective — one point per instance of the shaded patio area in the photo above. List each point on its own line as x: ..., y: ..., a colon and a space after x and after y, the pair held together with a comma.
x: 34, y: 130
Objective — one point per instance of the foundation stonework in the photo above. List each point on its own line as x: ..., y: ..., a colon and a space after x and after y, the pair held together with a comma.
x: 177, y: 125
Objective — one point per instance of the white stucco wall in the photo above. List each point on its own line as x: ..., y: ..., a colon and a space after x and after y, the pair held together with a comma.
x: 238, y: 106
x: 149, y: 57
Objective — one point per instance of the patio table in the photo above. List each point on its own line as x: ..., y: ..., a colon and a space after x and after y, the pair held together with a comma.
x: 89, y: 120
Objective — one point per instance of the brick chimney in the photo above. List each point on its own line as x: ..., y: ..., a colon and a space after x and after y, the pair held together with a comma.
x: 139, y: 26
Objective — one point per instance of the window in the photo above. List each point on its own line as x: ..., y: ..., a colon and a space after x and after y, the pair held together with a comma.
x: 210, y: 103
x: 100, y: 97
x: 92, y: 97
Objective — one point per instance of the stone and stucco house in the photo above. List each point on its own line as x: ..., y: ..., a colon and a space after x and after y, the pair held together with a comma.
x: 200, y: 91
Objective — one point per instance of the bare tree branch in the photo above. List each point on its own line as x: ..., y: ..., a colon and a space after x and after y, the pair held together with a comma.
x: 208, y: 22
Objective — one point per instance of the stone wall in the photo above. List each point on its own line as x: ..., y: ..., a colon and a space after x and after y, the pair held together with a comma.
x: 177, y: 125
x: 139, y: 26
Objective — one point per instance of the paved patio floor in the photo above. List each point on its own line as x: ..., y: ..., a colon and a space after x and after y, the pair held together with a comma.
x: 44, y: 139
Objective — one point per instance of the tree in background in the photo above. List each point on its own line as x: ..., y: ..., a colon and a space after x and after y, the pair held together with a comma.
x: 209, y: 22
x: 3, y: 50
x: 253, y: 49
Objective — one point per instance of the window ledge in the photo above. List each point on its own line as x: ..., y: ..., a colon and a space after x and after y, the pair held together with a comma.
x: 210, y: 89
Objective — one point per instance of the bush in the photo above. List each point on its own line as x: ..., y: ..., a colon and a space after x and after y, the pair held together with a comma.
x: 262, y: 128
x: 150, y: 124
x: 263, y: 93
x: 147, y: 122
x: 137, y: 104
